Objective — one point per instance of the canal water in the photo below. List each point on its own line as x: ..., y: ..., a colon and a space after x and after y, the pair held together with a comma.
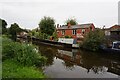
x: 76, y: 63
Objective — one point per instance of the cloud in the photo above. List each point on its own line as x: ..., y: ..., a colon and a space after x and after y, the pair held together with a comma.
x: 28, y: 14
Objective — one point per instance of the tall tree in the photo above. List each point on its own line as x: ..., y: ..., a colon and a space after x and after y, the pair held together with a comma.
x: 13, y: 30
x: 3, y: 25
x: 47, y: 25
x: 71, y: 21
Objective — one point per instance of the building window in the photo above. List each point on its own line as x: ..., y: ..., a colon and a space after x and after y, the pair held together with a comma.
x: 91, y: 28
x: 63, y: 32
x: 74, y: 32
x: 83, y: 31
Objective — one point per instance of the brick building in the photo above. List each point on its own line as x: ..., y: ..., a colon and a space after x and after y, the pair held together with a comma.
x: 75, y: 31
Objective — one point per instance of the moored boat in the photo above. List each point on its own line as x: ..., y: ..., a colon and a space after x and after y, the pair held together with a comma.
x: 114, y: 49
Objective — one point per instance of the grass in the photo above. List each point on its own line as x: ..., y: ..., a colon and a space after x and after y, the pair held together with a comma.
x: 20, y: 60
x: 11, y: 69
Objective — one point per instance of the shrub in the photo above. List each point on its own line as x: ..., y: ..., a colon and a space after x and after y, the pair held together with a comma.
x: 26, y: 54
x: 7, y: 48
x: 55, y: 35
x: 68, y: 36
x: 43, y: 36
x: 93, y: 40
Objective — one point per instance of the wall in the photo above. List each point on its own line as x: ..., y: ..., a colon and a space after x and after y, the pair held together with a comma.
x: 68, y: 32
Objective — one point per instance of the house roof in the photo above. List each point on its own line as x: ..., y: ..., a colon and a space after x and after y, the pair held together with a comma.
x: 76, y: 26
x: 113, y: 28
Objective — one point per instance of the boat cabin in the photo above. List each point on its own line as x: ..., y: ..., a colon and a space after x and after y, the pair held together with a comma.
x: 116, y: 45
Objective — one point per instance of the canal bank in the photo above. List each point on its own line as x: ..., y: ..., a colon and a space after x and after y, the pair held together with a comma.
x: 20, y: 60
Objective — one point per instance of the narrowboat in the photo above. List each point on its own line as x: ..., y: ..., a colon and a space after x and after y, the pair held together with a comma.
x: 114, y: 49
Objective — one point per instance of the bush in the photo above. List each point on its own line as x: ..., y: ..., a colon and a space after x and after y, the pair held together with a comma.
x: 26, y: 54
x: 93, y: 40
x: 7, y: 48
x: 55, y: 35
x: 68, y: 36
x: 43, y: 36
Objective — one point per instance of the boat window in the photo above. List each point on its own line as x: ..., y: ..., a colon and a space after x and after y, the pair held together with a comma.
x: 116, y: 45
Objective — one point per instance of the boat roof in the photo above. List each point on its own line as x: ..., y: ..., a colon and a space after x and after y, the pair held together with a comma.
x: 116, y: 42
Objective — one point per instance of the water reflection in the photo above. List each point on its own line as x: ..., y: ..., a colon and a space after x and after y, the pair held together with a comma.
x: 74, y: 63
x: 70, y: 58
x: 49, y: 54
x: 67, y: 60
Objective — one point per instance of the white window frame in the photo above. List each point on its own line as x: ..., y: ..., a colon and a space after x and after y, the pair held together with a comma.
x: 74, y: 32
x: 63, y: 32
x: 83, y: 30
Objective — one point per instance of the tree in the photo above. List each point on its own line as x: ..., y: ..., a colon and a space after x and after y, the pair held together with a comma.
x: 47, y: 25
x: 55, y: 35
x: 93, y: 40
x: 3, y: 23
x: 71, y: 21
x: 13, y: 30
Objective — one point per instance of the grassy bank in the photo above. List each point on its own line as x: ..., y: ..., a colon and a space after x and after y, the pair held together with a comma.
x: 11, y: 69
x: 20, y: 60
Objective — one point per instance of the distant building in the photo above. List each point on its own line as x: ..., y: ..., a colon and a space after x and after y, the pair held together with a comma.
x: 22, y: 34
x: 107, y: 32
x: 75, y: 31
x: 113, y: 32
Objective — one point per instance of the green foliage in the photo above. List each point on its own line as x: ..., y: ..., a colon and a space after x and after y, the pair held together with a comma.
x: 14, y: 29
x: 55, y: 35
x: 68, y: 36
x: 3, y: 25
x: 47, y: 25
x: 11, y: 69
x: 93, y: 40
x: 43, y: 35
x: 71, y: 21
x: 7, y: 48
x: 38, y: 34
x: 33, y: 33
x: 26, y: 54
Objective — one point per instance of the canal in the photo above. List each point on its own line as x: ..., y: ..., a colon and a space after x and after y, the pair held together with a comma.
x: 76, y: 63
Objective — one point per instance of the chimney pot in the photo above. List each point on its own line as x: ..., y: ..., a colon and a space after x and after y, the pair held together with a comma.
x: 57, y: 25
x: 69, y: 25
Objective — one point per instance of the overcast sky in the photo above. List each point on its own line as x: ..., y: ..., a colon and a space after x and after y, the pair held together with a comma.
x: 29, y: 13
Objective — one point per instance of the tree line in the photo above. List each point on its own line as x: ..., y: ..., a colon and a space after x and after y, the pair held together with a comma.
x: 46, y: 28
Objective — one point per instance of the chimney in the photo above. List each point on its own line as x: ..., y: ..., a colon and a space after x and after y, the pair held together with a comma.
x: 60, y: 26
x: 57, y: 25
x: 69, y: 25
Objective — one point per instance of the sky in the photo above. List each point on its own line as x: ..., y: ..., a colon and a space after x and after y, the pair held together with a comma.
x: 28, y: 13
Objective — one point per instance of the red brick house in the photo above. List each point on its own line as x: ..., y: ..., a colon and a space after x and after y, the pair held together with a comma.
x: 75, y: 31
